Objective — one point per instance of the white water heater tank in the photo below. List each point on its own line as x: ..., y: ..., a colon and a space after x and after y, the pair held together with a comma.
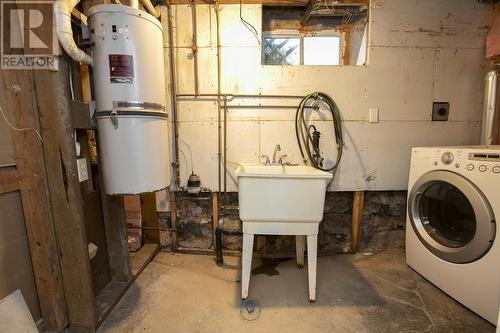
x: 129, y: 89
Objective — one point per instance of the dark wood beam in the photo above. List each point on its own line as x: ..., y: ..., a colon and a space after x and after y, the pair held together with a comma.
x: 52, y: 90
x: 307, y: 14
x: 237, y: 2
x: 9, y: 180
x: 22, y: 110
x: 267, y: 2
x: 150, y: 218
x: 116, y: 236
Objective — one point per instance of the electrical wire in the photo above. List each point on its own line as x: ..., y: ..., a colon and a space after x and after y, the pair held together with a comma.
x: 20, y: 128
x: 248, y: 24
x: 190, y: 153
x: 305, y: 137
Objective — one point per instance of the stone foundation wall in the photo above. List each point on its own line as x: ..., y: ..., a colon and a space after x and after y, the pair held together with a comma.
x: 384, y: 219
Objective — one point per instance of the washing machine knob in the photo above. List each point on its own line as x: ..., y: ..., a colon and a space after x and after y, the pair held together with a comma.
x: 447, y: 158
x: 483, y: 168
x: 496, y: 169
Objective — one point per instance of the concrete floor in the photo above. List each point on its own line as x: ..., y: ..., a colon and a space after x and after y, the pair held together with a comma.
x: 356, y: 293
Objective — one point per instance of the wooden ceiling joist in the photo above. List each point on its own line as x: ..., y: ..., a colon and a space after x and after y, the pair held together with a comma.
x: 270, y: 2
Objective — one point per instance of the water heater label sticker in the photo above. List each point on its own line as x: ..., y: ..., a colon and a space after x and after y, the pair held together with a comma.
x: 121, y: 68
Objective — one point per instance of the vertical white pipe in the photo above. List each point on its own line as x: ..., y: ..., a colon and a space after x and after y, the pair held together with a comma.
x: 132, y: 3
x: 489, y: 106
x: 62, y: 13
x: 150, y: 8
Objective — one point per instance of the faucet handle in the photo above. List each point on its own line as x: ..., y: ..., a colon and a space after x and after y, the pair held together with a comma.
x: 266, y: 157
x: 282, y: 158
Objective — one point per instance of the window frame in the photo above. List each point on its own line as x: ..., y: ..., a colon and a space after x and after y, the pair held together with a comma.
x: 288, y: 34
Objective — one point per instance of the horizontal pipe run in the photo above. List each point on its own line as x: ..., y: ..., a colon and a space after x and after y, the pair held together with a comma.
x: 207, y: 252
x: 238, y: 96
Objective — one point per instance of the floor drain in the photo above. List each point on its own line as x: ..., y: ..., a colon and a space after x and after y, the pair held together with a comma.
x: 250, y: 309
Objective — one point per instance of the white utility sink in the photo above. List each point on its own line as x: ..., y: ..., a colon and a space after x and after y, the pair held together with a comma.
x: 281, y: 200
x: 278, y: 193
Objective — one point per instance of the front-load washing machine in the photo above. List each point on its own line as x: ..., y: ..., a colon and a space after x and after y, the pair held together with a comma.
x: 451, y: 232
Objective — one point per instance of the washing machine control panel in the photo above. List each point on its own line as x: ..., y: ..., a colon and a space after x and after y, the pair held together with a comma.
x: 447, y: 158
x: 484, y: 162
x: 472, y: 162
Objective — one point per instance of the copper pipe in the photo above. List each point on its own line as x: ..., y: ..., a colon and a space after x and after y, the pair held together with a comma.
x: 195, y: 47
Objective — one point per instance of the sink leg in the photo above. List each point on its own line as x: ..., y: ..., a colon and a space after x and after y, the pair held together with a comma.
x: 312, y: 249
x: 299, y: 247
x: 246, y: 263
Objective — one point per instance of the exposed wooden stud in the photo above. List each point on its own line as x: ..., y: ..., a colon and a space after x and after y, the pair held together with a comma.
x: 237, y: 2
x: 116, y: 236
x: 347, y: 47
x: 21, y: 109
x: 308, y: 12
x: 9, y: 180
x: 357, y: 219
x: 267, y: 2
x: 65, y: 194
x: 150, y: 218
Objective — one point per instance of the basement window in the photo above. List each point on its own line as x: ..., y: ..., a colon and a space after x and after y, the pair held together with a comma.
x: 332, y: 34
x: 321, y: 50
x: 281, y: 51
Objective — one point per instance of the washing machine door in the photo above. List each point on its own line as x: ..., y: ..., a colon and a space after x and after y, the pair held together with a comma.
x: 451, y: 217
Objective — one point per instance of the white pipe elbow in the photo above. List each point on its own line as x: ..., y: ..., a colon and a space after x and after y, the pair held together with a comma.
x: 62, y: 13
x: 150, y: 8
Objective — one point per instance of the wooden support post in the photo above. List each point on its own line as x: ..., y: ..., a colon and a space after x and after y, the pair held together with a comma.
x: 21, y: 109
x: 65, y: 195
x: 347, y: 45
x: 116, y: 236
x: 357, y: 219
x: 150, y: 219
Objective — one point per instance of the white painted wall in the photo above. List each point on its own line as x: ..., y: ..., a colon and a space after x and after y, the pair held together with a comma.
x: 419, y: 52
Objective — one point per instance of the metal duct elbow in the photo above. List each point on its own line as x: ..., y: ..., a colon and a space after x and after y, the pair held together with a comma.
x: 150, y: 8
x: 62, y: 13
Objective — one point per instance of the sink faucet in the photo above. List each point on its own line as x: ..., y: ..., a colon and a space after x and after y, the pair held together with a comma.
x: 282, y: 160
x: 268, y: 161
x: 277, y: 148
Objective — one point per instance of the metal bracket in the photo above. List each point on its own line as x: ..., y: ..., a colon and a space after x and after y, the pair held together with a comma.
x: 114, y: 118
x: 83, y: 114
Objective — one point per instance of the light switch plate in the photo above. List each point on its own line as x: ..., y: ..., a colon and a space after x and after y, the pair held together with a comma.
x: 374, y: 115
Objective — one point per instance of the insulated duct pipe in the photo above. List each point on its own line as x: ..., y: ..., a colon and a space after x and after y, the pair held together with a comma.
x: 150, y: 8
x: 489, y: 106
x: 62, y: 13
x: 132, y: 3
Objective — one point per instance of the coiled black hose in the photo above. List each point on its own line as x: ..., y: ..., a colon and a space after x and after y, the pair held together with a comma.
x: 305, y: 139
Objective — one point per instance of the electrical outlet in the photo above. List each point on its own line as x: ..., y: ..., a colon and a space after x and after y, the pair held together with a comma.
x: 373, y: 115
